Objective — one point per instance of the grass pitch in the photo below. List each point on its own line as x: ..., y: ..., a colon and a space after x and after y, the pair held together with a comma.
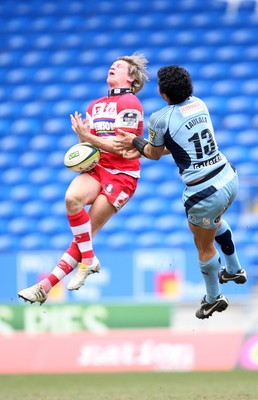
x: 233, y: 385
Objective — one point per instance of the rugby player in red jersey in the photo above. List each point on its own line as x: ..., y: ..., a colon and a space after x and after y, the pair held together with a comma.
x: 111, y: 183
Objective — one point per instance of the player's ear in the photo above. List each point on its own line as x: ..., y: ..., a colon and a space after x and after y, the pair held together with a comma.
x: 131, y: 78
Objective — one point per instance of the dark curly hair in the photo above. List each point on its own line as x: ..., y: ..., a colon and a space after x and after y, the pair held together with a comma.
x: 175, y: 82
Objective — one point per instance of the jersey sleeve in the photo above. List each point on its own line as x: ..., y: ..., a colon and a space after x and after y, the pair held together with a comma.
x: 156, y: 130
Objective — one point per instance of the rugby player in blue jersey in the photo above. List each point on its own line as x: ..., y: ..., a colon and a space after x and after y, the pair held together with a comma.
x: 184, y: 129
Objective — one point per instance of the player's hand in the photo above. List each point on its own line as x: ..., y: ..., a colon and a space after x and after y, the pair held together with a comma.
x: 123, y: 141
x: 80, y: 126
x: 130, y: 154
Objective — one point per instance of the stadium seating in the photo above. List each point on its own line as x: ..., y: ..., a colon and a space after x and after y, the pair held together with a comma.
x: 54, y: 60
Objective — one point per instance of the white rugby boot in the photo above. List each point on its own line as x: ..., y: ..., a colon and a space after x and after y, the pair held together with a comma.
x: 82, y: 273
x: 33, y: 293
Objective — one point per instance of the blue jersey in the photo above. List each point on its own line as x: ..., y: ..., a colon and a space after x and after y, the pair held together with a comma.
x: 187, y: 132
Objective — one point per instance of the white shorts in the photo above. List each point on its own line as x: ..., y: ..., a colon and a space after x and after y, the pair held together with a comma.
x: 204, y: 202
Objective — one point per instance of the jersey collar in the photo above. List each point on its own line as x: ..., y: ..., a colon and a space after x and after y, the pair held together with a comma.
x: 117, y: 92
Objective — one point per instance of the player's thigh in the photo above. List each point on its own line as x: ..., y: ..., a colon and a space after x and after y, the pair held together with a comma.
x: 203, y: 237
x: 84, y: 188
x: 100, y: 212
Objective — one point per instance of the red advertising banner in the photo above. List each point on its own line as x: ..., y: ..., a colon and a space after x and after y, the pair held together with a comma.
x: 119, y: 350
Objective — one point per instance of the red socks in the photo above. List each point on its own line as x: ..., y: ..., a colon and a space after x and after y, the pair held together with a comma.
x: 64, y: 266
x: 81, y: 228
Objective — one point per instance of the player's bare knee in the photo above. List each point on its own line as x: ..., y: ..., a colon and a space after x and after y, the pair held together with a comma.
x: 73, y: 203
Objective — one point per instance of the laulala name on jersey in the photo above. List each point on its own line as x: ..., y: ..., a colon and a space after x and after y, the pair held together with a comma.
x: 195, y: 121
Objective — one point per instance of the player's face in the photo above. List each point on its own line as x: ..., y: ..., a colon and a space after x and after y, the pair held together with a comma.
x: 118, y: 75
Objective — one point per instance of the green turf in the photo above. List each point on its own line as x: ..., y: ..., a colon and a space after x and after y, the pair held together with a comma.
x: 233, y: 385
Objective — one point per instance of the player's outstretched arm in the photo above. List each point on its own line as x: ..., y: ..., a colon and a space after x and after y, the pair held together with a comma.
x: 126, y: 141
x: 82, y: 129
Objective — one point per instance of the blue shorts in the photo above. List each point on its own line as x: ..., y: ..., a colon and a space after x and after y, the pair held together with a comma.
x: 204, y: 202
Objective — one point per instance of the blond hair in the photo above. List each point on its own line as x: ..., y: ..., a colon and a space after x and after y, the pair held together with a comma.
x: 137, y: 69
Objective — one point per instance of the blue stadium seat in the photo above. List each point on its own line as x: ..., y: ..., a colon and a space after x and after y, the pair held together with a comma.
x: 23, y: 192
x: 151, y: 238
x: 254, y: 122
x: 43, y: 142
x: 247, y: 168
x: 10, y: 242
x: 13, y: 176
x: 49, y: 225
x: 35, y: 209
x: 170, y: 222
x: 180, y: 238
x: 138, y: 225
x: 249, y: 221
x: 172, y: 189
x: 249, y: 87
x: 125, y: 239
x: 66, y: 176
x: 53, y: 191
x: 224, y: 140
x: 55, y: 159
x: 9, y: 209
x: 155, y: 205
x: 237, y: 154
x: 253, y: 154
x: 32, y: 159
x: 57, y: 208
x: 243, y: 70
x: 22, y: 225
x: 35, y: 241
x: 246, y: 137
x: 236, y: 122
x: 44, y: 175
x: 56, y: 126
x: 60, y: 241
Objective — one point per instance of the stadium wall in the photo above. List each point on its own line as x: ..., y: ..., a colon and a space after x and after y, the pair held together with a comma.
x: 127, y: 350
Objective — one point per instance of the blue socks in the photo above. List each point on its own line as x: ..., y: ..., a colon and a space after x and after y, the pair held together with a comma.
x: 224, y: 238
x: 210, y: 271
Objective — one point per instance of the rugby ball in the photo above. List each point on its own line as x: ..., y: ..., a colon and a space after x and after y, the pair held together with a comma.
x: 82, y: 157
